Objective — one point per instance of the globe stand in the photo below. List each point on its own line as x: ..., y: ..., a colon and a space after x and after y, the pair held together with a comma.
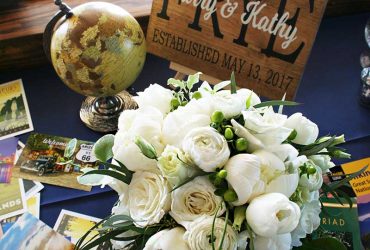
x: 101, y: 113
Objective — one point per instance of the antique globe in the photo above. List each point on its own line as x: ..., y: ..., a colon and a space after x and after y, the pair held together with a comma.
x: 98, y: 50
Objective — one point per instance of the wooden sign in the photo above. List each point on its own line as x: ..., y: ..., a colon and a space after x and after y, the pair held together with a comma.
x: 266, y: 43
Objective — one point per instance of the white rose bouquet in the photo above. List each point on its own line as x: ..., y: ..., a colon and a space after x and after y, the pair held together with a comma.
x: 213, y: 169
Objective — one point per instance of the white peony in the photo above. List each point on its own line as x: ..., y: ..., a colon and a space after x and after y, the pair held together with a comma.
x: 276, y: 242
x: 198, y: 234
x: 285, y: 152
x: 267, y: 127
x: 127, y: 119
x: 194, y: 199
x: 149, y: 198
x: 243, y: 172
x: 312, y: 182
x: 285, y: 184
x: 146, y: 123
x: 307, y: 131
x: 229, y: 104
x: 271, y: 165
x: 323, y: 161
x: 175, y: 166
x: 309, y: 222
x: 271, y: 214
x: 167, y: 239
x: 155, y: 96
x: 207, y: 148
x: 197, y: 113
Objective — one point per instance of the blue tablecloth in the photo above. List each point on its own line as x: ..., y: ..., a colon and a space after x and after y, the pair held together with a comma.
x: 329, y: 92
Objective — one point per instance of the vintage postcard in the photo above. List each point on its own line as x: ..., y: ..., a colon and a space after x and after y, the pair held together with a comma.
x: 364, y: 219
x: 74, y: 225
x: 33, y: 205
x: 32, y: 234
x: 15, y: 118
x: 18, y: 152
x: 12, y: 199
x: 31, y: 188
x: 55, y: 160
x: 7, y: 158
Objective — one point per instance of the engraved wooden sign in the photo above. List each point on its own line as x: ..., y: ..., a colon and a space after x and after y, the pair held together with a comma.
x: 266, y: 43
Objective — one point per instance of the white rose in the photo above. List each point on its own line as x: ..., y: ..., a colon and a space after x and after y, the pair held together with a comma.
x: 323, y: 161
x: 268, y: 128
x: 207, y: 148
x: 276, y: 242
x: 229, y: 104
x: 167, y: 239
x: 309, y: 221
x: 312, y: 182
x: 198, y: 235
x: 253, y: 142
x: 285, y: 184
x: 197, y: 113
x: 128, y: 117
x: 243, y: 172
x: 271, y: 214
x: 194, y: 199
x: 271, y: 165
x: 175, y: 166
x: 155, y: 96
x: 285, y: 152
x: 149, y: 198
x: 307, y: 131
x: 145, y: 124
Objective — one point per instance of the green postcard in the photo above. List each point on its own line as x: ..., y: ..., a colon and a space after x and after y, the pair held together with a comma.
x: 12, y: 199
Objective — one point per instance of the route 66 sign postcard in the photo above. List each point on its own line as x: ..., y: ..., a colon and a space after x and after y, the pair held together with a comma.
x: 15, y: 116
x: 266, y: 43
x: 55, y: 160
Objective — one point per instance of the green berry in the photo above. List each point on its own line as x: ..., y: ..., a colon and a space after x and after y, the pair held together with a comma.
x: 197, y: 95
x: 222, y: 174
x: 230, y: 195
x: 292, y: 135
x: 175, y: 103
x: 229, y: 134
x: 184, y: 103
x: 311, y: 170
x: 217, y: 117
x: 241, y: 144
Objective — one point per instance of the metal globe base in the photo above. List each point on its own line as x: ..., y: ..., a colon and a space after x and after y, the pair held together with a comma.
x: 101, y: 113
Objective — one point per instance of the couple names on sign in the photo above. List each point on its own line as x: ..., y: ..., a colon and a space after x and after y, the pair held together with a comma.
x: 266, y: 43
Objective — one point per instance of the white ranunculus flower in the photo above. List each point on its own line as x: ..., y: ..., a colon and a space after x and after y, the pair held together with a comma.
x: 309, y: 221
x: 293, y: 165
x: 271, y: 165
x: 207, y: 148
x: 307, y: 131
x: 197, y: 113
x: 243, y: 172
x: 268, y: 128
x: 149, y: 198
x: 195, y: 199
x: 199, y: 232
x: 229, y: 104
x: 312, y: 182
x: 244, y: 94
x: 155, y: 96
x: 285, y: 152
x: 285, y: 184
x: 253, y: 142
x: 175, y: 165
x: 146, y: 123
x: 276, y: 242
x: 167, y: 239
x: 271, y: 214
x: 323, y: 161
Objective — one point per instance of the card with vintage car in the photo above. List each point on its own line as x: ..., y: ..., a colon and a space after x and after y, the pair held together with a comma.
x: 75, y: 225
x: 55, y: 160
x: 15, y: 118
x: 12, y: 199
x: 7, y: 155
x: 31, y: 233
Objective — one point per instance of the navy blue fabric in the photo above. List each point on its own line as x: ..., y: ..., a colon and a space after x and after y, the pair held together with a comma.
x: 329, y: 92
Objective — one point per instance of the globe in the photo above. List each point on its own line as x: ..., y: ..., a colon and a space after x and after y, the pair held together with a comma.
x: 99, y: 51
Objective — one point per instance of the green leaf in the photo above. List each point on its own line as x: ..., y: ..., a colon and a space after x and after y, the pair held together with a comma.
x: 192, y: 79
x: 342, y: 182
x: 233, y: 83
x: 103, y: 148
x: 176, y: 83
x: 276, y: 103
x: 248, y: 103
x: 316, y: 148
x: 82, y: 239
x: 70, y: 148
x: 220, y: 86
x: 121, y: 168
x: 327, y: 243
x: 225, y: 227
x: 102, y: 239
x: 111, y: 173
x: 119, y: 217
